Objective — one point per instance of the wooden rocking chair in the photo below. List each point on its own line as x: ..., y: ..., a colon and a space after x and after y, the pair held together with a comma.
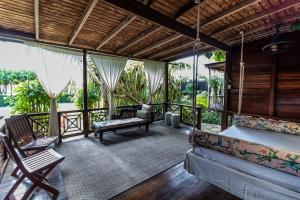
x: 35, y: 168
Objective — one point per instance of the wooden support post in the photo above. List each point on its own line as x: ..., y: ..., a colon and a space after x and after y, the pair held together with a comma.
x: 224, y: 123
x: 59, y: 128
x: 166, y: 87
x: 85, y: 97
x: 273, y: 86
x: 199, y: 117
x: 180, y: 113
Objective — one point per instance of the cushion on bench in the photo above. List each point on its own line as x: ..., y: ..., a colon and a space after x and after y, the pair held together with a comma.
x: 117, y: 123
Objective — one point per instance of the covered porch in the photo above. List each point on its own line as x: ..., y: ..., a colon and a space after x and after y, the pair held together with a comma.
x: 132, y: 164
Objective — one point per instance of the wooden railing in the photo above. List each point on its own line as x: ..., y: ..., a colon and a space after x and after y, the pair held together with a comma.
x: 71, y: 122
x: 186, y: 114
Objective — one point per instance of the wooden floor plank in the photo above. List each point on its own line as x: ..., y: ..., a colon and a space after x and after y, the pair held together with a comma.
x: 176, y: 184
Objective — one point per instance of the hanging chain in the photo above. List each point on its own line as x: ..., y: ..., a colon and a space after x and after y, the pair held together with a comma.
x: 196, y: 51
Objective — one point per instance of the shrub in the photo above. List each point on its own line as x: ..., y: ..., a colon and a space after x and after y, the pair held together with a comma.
x: 94, y: 97
x: 211, y: 117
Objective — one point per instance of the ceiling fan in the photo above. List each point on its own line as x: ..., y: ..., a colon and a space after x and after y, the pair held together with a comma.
x: 278, y: 45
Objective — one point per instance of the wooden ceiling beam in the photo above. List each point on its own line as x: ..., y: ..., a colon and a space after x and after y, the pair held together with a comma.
x: 36, y: 19
x: 154, y: 29
x: 166, y: 51
x: 118, y: 29
x: 185, y: 54
x: 158, y: 44
x: 139, y: 38
x: 254, y: 17
x: 158, y: 18
x: 231, y: 10
x: 88, y: 10
x: 284, y: 20
x: 184, y: 9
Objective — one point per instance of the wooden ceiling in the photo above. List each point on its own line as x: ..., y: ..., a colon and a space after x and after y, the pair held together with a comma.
x: 152, y: 29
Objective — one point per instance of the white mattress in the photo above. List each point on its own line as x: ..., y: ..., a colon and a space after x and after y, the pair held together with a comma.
x: 277, y: 177
x: 242, y: 178
x: 266, y: 138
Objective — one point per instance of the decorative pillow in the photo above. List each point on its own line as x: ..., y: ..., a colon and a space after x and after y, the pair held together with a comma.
x: 261, y: 123
x: 146, y: 108
x: 142, y: 114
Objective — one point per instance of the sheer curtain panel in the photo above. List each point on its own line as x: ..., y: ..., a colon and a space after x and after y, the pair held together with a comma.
x: 154, y: 72
x: 110, y: 69
x: 55, y: 68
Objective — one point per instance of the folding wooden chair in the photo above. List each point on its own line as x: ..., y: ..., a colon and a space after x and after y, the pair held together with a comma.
x: 35, y: 168
x: 24, y: 138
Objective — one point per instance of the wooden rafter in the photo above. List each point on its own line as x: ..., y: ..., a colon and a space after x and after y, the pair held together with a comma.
x: 139, y: 38
x: 158, y: 18
x: 158, y: 44
x: 231, y: 10
x: 254, y: 17
x: 185, y: 54
x: 36, y: 19
x: 220, y: 15
x: 166, y: 51
x: 184, y: 9
x: 88, y: 10
x: 119, y: 28
x: 285, y: 20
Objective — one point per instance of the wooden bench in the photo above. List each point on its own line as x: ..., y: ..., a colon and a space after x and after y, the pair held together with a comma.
x: 112, y: 125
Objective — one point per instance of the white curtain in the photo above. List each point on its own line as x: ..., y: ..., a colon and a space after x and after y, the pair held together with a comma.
x: 110, y: 69
x: 154, y: 72
x: 55, y: 68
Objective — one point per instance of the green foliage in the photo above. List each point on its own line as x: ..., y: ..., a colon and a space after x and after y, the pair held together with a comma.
x: 216, y: 55
x: 94, y: 95
x: 29, y: 97
x: 65, y: 98
x: 189, y: 88
x: 211, y: 117
x: 3, y: 102
x: 15, y: 77
x: 201, y: 100
x: 216, y: 84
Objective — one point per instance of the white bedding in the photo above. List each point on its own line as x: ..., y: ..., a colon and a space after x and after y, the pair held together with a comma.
x: 244, y: 179
x: 266, y: 138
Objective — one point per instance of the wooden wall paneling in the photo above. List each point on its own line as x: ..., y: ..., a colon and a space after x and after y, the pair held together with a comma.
x: 272, y: 84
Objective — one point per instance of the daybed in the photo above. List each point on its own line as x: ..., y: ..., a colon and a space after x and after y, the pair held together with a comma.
x: 143, y: 118
x: 254, y: 159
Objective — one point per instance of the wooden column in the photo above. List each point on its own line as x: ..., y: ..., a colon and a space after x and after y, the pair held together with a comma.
x: 273, y: 86
x: 224, y: 124
x: 166, y: 87
x: 85, y: 97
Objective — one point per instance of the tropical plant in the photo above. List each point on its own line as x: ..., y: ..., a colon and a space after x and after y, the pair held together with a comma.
x: 211, y: 117
x: 201, y: 99
x: 93, y: 96
x: 216, y: 55
x: 29, y: 97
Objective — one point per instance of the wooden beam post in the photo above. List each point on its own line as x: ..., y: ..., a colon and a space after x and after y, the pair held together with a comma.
x: 273, y: 86
x: 227, y: 69
x: 166, y: 87
x: 36, y: 19
x: 118, y: 29
x: 88, y: 10
x: 85, y: 96
x: 158, y: 18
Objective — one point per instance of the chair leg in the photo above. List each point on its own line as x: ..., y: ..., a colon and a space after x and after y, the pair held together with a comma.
x: 14, y: 187
x: 15, y: 172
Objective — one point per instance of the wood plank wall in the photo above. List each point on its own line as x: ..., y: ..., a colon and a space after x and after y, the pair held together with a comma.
x: 272, y: 83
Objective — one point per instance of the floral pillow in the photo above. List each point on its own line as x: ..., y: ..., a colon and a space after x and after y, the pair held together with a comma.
x: 267, y: 124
